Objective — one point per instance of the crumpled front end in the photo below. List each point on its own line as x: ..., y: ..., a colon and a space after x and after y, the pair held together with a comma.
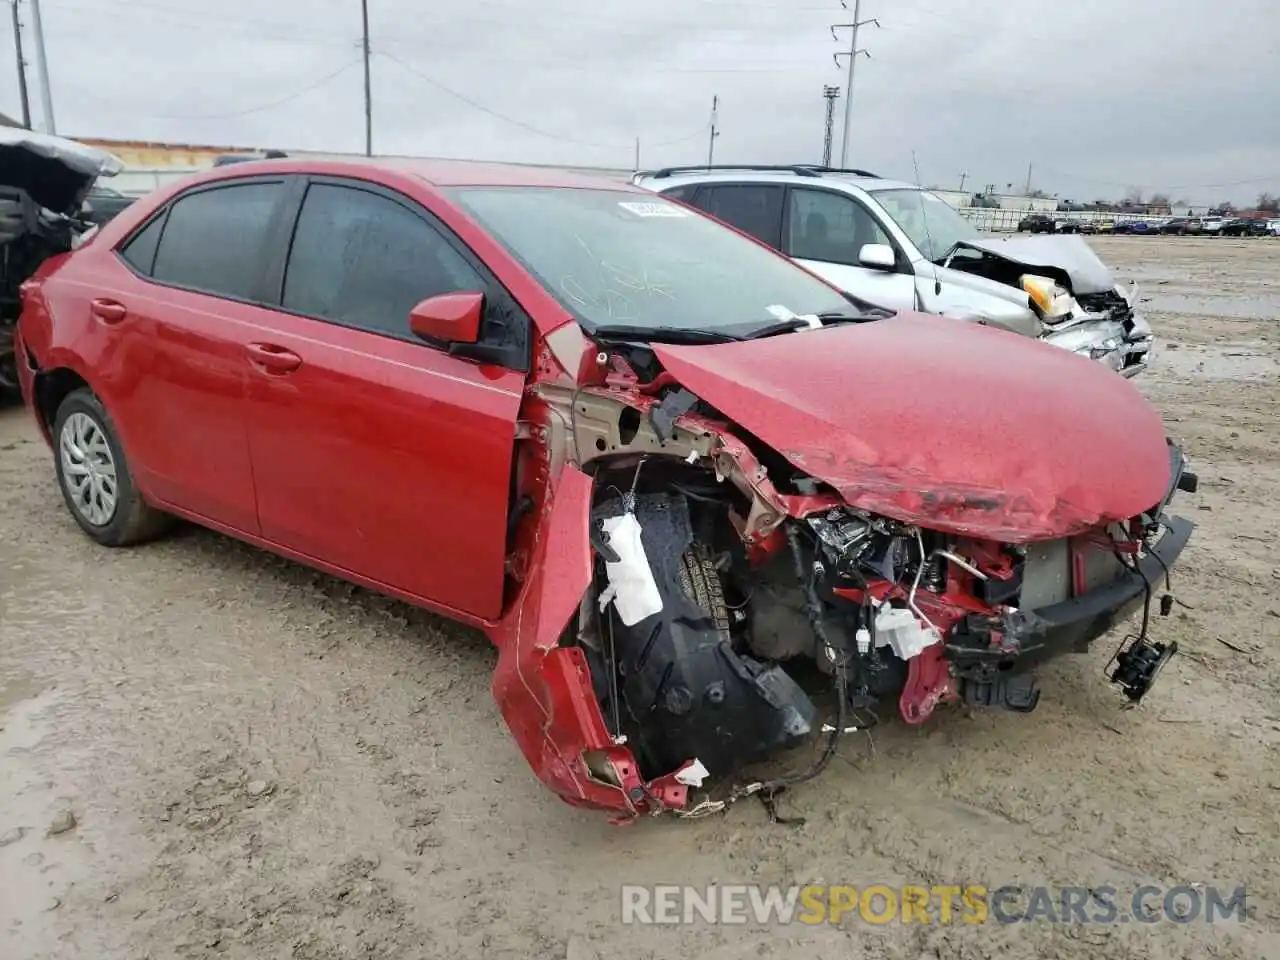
x: 1107, y: 327
x: 698, y: 602
x: 1077, y: 300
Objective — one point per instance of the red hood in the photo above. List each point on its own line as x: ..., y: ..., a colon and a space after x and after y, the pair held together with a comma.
x: 947, y: 424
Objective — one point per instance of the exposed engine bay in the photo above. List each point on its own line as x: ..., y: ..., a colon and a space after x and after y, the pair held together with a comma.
x: 740, y: 607
x: 43, y: 184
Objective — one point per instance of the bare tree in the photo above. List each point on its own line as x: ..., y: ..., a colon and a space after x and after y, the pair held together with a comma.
x: 1159, y: 200
x: 1133, y: 195
x: 1269, y: 203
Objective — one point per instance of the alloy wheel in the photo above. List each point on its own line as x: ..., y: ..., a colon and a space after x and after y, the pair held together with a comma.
x: 88, y: 469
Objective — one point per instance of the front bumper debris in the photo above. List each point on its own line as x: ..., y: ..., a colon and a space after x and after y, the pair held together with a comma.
x: 1033, y: 637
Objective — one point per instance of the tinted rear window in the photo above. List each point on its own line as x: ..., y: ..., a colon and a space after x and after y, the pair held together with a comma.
x: 752, y: 208
x: 213, y: 240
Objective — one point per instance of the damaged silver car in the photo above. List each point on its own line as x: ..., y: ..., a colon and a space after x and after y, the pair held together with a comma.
x: 902, y: 247
x: 44, y: 181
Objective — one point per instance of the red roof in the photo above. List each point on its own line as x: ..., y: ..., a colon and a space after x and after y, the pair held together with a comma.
x: 444, y: 173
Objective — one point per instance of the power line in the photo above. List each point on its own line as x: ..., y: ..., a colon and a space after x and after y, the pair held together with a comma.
x: 830, y: 94
x: 42, y: 68
x: 23, y: 98
x: 263, y: 106
x: 852, y: 53
x: 368, y: 85
x: 476, y: 105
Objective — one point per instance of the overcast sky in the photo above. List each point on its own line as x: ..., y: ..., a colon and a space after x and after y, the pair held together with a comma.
x: 1097, y: 95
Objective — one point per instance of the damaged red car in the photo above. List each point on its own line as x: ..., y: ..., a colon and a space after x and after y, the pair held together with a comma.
x: 706, y: 506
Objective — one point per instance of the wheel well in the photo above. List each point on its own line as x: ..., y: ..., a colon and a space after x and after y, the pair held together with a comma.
x: 51, y: 388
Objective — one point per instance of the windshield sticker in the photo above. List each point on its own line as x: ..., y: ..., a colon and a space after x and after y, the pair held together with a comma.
x: 642, y: 209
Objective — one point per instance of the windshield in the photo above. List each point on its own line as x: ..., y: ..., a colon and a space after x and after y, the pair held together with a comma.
x: 620, y: 258
x: 933, y: 225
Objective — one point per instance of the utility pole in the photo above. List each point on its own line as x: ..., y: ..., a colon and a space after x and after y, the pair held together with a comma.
x: 46, y: 98
x: 711, y: 143
x: 637, y: 167
x: 830, y: 94
x: 22, y: 68
x: 368, y: 88
x: 852, y: 53
x: 964, y: 175
x: 1026, y: 191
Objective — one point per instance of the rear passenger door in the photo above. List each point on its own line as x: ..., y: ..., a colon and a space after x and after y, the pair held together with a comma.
x: 171, y: 306
x: 376, y: 454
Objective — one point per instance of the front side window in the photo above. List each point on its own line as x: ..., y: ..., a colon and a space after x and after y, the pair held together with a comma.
x: 613, y: 257
x: 213, y: 240
x: 363, y: 260
x: 931, y: 223
x: 828, y: 226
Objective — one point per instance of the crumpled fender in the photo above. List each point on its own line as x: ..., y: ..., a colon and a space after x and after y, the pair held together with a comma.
x: 544, y: 690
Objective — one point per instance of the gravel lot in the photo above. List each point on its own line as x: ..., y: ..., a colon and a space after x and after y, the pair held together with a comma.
x: 264, y: 762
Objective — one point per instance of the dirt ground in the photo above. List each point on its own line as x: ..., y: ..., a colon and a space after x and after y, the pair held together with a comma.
x: 263, y: 762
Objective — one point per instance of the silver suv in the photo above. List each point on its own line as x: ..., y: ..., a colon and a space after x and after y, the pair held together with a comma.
x: 896, y: 245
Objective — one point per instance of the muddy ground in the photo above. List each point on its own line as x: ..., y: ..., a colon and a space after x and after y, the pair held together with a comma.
x: 263, y: 762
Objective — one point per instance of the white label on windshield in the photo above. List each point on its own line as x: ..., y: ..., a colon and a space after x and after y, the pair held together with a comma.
x: 642, y: 209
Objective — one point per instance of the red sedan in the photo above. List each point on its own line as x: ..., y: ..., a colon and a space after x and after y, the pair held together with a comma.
x: 663, y: 467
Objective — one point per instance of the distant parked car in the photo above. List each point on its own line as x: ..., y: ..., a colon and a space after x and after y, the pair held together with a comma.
x: 1086, y: 226
x: 1138, y: 227
x: 1180, y: 226
x: 1036, y: 223
x: 1066, y: 225
x: 1106, y: 226
x: 102, y: 203
x: 1245, y: 227
x: 1212, y: 226
x: 1273, y: 227
x: 223, y: 159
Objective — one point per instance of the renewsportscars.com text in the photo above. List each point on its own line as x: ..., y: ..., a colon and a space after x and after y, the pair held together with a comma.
x: 940, y: 904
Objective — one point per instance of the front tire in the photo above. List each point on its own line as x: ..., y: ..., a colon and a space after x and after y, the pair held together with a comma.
x: 94, y: 477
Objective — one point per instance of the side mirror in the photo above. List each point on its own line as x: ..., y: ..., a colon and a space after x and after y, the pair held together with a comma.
x: 877, y: 256
x: 448, y: 318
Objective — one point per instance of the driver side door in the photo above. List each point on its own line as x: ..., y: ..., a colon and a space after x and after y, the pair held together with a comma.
x: 375, y: 454
x: 825, y: 231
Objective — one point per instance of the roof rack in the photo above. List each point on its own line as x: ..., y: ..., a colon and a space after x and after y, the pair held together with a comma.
x: 799, y: 169
x: 853, y: 170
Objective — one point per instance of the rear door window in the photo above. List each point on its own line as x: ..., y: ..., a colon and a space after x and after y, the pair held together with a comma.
x: 754, y: 208
x: 213, y: 239
x: 363, y: 260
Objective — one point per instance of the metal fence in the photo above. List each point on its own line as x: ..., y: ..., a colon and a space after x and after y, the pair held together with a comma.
x: 998, y: 220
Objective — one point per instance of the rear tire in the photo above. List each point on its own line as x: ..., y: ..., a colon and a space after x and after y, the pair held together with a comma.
x: 93, y: 475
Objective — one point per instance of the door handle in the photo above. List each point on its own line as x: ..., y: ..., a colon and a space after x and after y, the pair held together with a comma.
x: 273, y: 358
x: 108, y: 311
